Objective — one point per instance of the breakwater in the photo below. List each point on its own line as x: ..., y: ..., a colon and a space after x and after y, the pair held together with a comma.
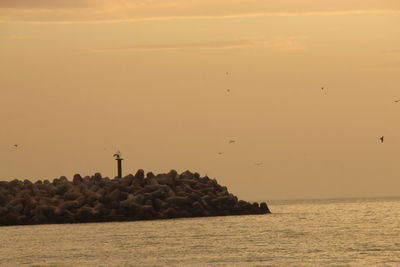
x: 133, y: 197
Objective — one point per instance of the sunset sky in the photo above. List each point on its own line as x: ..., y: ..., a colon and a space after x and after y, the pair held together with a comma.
x: 81, y: 79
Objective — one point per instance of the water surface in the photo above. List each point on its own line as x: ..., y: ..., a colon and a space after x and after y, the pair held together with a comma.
x: 347, y: 232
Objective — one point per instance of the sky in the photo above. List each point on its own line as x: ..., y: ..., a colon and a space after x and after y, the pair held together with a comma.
x: 170, y: 83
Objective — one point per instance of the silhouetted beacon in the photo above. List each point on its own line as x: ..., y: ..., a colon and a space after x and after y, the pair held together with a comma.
x: 119, y: 163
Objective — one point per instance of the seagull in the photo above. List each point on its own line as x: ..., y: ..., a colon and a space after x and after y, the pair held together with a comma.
x: 117, y: 155
x: 397, y: 101
x: 232, y: 141
x: 381, y: 138
x: 15, y: 145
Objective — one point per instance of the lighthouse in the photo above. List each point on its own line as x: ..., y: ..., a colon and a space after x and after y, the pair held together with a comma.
x: 119, y: 163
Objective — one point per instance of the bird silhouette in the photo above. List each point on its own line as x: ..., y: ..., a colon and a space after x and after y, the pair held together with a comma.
x: 228, y: 90
x: 259, y: 163
x: 232, y: 141
x: 220, y: 153
x: 397, y: 101
x: 322, y: 88
x: 381, y: 138
x: 117, y: 154
x: 15, y: 145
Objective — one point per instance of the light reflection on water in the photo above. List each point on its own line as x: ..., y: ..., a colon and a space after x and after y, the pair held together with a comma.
x: 299, y: 233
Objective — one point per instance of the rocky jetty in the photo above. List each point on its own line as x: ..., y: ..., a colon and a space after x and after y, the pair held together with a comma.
x: 133, y: 197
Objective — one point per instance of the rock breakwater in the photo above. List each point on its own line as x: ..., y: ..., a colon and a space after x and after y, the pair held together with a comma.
x: 133, y: 197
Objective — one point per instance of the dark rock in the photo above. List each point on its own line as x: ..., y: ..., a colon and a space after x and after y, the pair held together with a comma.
x: 178, y: 201
x: 3, y: 198
x: 114, y: 195
x: 127, y: 180
x: 186, y: 175
x: 94, y: 188
x: 264, y: 208
x: 140, y: 174
x: 166, y: 180
x: 4, y: 184
x: 62, y: 188
x: 27, y: 182
x: 204, y: 180
x: 63, y: 180
x: 86, y: 214
x: 172, y: 174
x: 15, y: 183
x: 97, y: 177
x: 77, y: 179
x: 158, y: 204
x: 150, y: 175
x: 94, y: 198
x: 170, y: 213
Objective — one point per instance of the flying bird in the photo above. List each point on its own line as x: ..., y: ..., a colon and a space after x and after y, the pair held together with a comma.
x: 259, y: 163
x: 397, y: 101
x: 381, y: 138
x: 228, y: 90
x: 232, y: 141
x: 220, y: 153
x: 15, y: 145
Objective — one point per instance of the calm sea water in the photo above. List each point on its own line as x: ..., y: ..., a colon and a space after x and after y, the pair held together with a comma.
x: 353, y: 232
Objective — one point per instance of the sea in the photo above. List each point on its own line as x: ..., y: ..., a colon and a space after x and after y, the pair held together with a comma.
x: 328, y: 232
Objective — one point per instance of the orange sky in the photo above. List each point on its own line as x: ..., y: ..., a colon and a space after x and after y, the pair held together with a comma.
x: 80, y: 80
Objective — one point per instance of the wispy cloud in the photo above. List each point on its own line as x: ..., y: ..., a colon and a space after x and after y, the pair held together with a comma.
x: 281, y: 43
x: 104, y: 11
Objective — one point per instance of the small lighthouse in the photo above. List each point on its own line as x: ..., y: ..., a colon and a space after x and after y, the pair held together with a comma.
x: 119, y: 163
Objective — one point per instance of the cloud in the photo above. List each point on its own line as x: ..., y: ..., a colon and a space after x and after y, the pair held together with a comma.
x: 103, y: 11
x: 281, y: 43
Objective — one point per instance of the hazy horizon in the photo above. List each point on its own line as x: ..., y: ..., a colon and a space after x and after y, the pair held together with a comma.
x: 82, y: 79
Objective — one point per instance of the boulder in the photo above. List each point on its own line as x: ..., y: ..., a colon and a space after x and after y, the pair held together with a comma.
x: 94, y: 188
x: 114, y: 195
x: 3, y: 198
x: 187, y: 175
x: 150, y: 175
x: 62, y: 188
x: 97, y: 177
x: 86, y: 214
x: 4, y: 184
x: 77, y: 179
x: 264, y: 208
x: 166, y: 180
x: 173, y: 174
x: 127, y: 180
x: 140, y: 174
x: 178, y: 201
